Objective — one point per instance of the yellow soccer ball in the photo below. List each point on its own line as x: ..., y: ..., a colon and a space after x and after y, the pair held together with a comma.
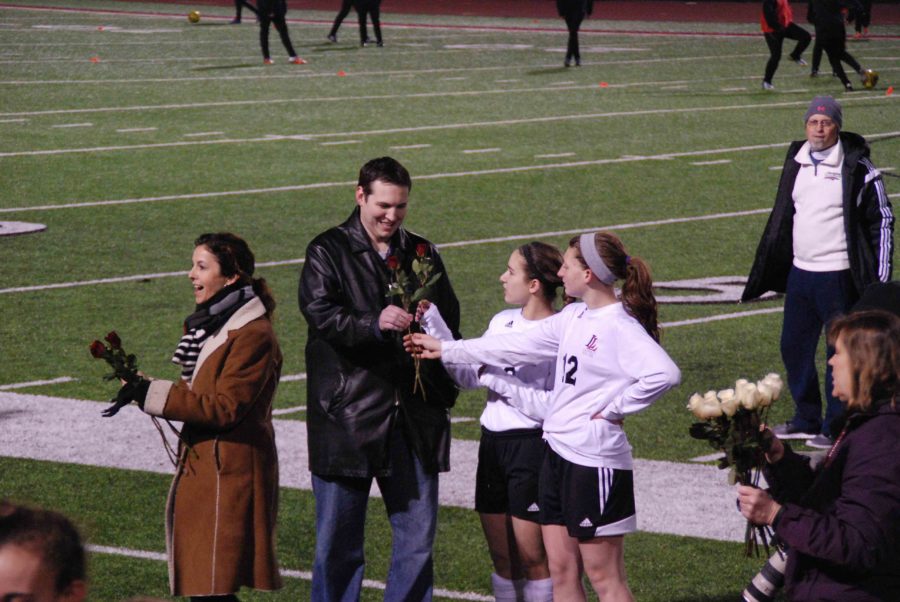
x: 870, y: 78
x: 194, y: 16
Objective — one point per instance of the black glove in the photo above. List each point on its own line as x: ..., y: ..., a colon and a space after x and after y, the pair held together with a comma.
x: 133, y: 391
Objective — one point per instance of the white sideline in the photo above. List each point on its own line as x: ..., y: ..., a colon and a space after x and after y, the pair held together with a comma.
x: 671, y: 497
x: 290, y: 573
x: 463, y: 243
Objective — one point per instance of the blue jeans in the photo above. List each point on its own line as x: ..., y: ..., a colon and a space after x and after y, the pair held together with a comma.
x: 411, y: 498
x: 811, y: 301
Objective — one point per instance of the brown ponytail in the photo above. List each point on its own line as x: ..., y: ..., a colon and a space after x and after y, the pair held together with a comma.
x: 236, y: 258
x: 637, y: 288
x: 543, y: 262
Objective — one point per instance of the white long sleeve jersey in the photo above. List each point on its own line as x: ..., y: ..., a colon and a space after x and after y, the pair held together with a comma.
x: 607, y: 367
x: 533, y: 382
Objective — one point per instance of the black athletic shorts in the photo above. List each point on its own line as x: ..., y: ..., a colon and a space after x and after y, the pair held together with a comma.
x: 590, y: 502
x: 509, y: 464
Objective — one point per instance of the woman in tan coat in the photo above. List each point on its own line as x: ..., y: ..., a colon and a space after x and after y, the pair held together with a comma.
x: 222, y: 506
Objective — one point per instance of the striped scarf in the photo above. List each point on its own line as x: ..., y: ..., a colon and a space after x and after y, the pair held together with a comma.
x: 208, y: 318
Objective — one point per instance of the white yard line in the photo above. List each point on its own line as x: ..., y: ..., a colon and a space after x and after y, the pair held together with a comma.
x: 421, y: 128
x: 130, y: 130
x: 671, y: 497
x: 717, y: 162
x: 202, y: 134
x: 475, y: 151
x: 37, y: 383
x: 410, y: 146
x: 73, y: 125
x: 448, y: 245
x: 288, y: 573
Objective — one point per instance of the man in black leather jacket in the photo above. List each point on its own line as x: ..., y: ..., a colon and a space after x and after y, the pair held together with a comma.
x: 364, y: 419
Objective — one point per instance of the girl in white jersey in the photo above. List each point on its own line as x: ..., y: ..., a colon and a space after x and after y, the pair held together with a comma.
x: 510, y: 451
x: 608, y: 365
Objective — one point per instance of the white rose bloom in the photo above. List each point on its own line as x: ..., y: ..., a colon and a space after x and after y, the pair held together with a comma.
x: 774, y: 381
x: 739, y: 384
x: 709, y: 410
x: 749, y: 396
x: 710, y: 397
x: 694, y: 403
x: 728, y: 401
x: 766, y: 394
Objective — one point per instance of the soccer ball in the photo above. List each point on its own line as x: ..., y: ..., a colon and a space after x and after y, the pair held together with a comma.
x: 194, y: 16
x: 870, y: 78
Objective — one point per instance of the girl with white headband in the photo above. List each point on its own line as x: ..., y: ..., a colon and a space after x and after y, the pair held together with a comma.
x: 608, y: 364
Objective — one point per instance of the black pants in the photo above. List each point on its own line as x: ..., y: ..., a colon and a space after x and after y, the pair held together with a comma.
x: 239, y: 4
x: 836, y: 50
x: 273, y: 11
x: 372, y: 9
x: 573, y: 23
x: 775, y: 42
x: 346, y: 5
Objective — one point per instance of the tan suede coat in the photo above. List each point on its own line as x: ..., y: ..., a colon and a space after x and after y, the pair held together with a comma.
x: 222, y: 506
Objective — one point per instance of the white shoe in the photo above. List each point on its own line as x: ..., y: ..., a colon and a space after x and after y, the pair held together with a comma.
x: 767, y: 86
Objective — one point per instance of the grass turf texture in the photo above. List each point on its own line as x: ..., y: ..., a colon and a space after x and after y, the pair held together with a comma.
x: 665, y: 94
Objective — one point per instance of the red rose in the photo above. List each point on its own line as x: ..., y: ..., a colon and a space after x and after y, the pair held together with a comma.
x: 392, y: 262
x: 421, y: 248
x: 98, y: 350
x: 114, y: 341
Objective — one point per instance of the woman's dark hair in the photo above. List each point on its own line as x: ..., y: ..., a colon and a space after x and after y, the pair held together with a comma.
x: 236, y: 258
x: 49, y: 535
x: 872, y: 341
x: 637, y: 288
x: 542, y: 262
x: 384, y: 169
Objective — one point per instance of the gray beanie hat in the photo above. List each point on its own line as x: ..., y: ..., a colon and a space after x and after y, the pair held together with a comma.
x: 828, y: 106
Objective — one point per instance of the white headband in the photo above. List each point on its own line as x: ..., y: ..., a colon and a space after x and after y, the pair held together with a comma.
x: 593, y: 260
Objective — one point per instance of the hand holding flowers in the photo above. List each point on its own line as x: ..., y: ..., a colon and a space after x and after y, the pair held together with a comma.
x: 733, y: 420
x: 124, y: 366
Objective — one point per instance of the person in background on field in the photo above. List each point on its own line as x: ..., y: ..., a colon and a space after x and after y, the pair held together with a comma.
x: 511, y: 449
x: 42, y: 558
x: 862, y: 18
x: 346, y: 5
x: 841, y: 521
x: 368, y: 416
x: 365, y: 9
x: 777, y: 23
x: 828, y: 17
x: 608, y: 365
x: 574, y: 12
x: 274, y: 11
x: 223, y: 504
x: 828, y: 237
x: 240, y: 4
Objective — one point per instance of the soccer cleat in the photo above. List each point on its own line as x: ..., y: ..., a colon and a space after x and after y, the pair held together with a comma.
x: 297, y: 60
x: 268, y: 61
x: 379, y: 44
x: 332, y: 38
x: 814, y: 73
x: 800, y: 61
x: 767, y: 86
x: 848, y: 87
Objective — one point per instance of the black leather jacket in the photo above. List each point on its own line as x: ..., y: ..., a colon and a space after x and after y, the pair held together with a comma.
x: 359, y: 379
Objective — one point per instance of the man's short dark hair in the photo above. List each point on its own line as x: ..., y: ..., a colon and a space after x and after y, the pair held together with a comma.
x: 48, y: 534
x: 383, y: 169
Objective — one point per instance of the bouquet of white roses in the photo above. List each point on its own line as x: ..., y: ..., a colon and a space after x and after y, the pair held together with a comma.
x: 730, y: 420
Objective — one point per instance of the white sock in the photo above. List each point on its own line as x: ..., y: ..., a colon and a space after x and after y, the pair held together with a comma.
x: 504, y: 589
x: 539, y: 590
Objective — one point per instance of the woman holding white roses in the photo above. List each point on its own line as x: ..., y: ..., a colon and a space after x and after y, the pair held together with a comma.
x: 609, y: 365
x: 841, y: 522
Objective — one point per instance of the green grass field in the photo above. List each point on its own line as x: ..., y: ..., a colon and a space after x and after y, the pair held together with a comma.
x: 177, y: 129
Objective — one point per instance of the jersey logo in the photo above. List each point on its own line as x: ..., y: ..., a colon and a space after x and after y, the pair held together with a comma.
x: 592, y: 344
x: 533, y: 507
x: 586, y: 523
x: 509, y: 324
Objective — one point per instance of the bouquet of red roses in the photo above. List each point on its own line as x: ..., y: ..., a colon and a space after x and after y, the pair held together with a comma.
x: 124, y: 368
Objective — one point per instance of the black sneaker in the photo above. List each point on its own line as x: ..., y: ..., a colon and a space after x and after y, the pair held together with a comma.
x: 332, y: 38
x: 789, y: 431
